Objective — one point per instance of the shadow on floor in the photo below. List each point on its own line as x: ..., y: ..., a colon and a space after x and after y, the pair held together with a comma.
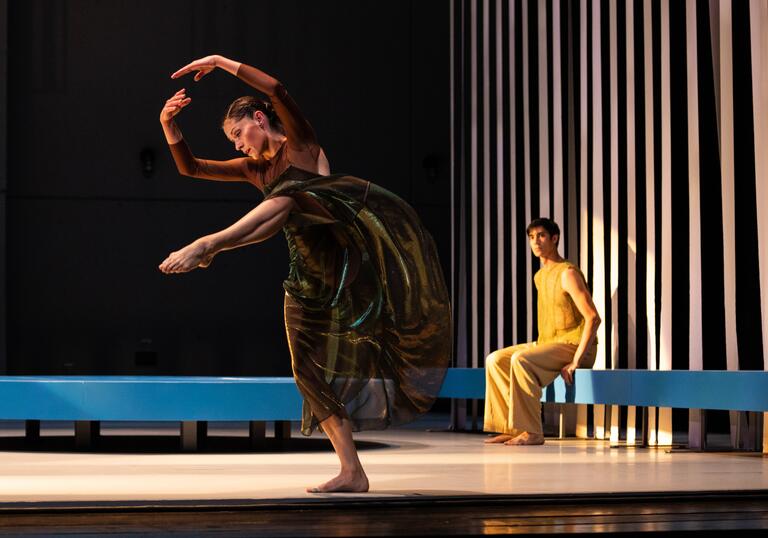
x: 165, y: 444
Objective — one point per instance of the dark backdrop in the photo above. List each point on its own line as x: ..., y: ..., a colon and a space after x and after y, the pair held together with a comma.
x: 86, y: 228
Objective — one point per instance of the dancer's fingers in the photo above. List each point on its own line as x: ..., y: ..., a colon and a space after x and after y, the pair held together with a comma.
x: 177, y: 99
x: 192, y: 66
x: 181, y: 72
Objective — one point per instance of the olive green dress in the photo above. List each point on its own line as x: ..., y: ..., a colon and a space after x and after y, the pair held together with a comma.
x: 367, y: 311
x: 366, y: 308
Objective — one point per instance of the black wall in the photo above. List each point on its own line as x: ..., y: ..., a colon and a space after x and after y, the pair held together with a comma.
x: 86, y: 229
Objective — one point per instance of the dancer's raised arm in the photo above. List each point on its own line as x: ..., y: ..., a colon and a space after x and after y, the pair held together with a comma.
x: 297, y: 129
x: 187, y: 164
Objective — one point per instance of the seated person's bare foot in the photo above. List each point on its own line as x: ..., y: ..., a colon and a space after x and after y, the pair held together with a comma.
x: 503, y: 438
x: 352, y: 482
x: 526, y: 438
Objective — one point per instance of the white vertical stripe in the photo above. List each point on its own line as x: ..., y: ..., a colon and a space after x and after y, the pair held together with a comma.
x: 631, y: 212
x: 543, y: 113
x: 665, y: 347
x: 598, y: 213
x: 614, y: 275
x: 513, y: 166
x: 527, y: 148
x: 486, y: 184
x: 694, y: 214
x: 727, y: 175
x: 758, y: 16
x: 581, y: 419
x: 557, y: 123
x: 650, y: 208
x: 501, y: 217
x: 474, y: 178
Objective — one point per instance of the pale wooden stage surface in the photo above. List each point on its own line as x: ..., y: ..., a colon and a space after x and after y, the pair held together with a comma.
x: 413, y: 464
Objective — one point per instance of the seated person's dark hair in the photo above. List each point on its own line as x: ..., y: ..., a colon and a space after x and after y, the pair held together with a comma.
x: 543, y: 222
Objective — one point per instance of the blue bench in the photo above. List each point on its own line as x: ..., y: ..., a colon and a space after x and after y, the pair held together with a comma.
x: 194, y: 401
x: 686, y: 389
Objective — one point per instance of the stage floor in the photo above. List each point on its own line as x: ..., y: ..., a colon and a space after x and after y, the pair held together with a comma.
x: 402, y: 464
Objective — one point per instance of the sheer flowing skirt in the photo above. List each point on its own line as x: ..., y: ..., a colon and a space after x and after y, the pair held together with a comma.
x: 367, y: 312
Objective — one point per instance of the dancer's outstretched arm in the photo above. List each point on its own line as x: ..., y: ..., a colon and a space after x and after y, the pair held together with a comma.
x: 261, y: 223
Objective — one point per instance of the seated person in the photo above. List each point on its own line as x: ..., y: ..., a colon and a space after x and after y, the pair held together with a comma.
x: 568, y: 323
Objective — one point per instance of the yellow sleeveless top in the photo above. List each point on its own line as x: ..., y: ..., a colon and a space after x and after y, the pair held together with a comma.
x: 559, y: 320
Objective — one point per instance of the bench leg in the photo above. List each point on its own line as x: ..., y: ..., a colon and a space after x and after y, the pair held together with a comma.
x: 644, y: 427
x: 756, y: 419
x: 697, y: 429
x: 87, y: 433
x: 257, y: 432
x: 283, y: 429
x: 749, y: 434
x: 31, y: 432
x: 458, y: 414
x: 193, y: 434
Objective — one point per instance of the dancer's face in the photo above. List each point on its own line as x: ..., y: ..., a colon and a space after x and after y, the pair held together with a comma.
x: 249, y: 134
x: 542, y: 244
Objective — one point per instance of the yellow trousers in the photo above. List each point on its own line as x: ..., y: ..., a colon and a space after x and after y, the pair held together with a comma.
x: 514, y: 377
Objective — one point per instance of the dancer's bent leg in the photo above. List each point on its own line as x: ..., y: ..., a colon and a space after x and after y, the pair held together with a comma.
x: 352, y: 477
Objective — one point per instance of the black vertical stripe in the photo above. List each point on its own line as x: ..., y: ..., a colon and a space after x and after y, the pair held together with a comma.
x: 522, y: 250
x: 509, y: 196
x: 640, y: 186
x: 656, y: 64
x: 493, y: 145
x: 748, y: 315
x: 713, y: 295
x: 565, y: 85
x: 467, y: 175
x: 679, y: 155
x: 478, y: 210
x: 605, y: 180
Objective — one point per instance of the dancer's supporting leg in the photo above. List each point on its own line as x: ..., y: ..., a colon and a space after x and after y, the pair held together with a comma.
x: 352, y: 477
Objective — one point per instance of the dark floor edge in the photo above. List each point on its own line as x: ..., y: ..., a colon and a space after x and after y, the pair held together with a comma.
x: 334, y: 501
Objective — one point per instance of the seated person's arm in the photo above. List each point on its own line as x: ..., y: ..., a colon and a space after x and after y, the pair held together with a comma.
x: 573, y: 283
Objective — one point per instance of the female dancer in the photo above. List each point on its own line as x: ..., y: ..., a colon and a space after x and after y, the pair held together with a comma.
x: 367, y: 312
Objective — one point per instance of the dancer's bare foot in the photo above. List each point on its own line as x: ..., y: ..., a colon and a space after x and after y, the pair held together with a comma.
x: 526, y: 438
x: 503, y: 438
x: 353, y: 482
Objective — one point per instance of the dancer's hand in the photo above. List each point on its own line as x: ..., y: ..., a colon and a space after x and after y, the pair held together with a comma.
x: 196, y: 254
x: 203, y: 66
x: 174, y: 105
x: 567, y: 373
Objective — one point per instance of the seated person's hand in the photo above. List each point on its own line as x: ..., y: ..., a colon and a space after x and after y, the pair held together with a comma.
x: 567, y: 372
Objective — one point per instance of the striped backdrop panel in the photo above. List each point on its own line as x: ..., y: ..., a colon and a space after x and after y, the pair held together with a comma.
x: 635, y: 125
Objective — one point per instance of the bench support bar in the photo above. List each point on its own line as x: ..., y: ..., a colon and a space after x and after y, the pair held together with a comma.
x: 193, y: 434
